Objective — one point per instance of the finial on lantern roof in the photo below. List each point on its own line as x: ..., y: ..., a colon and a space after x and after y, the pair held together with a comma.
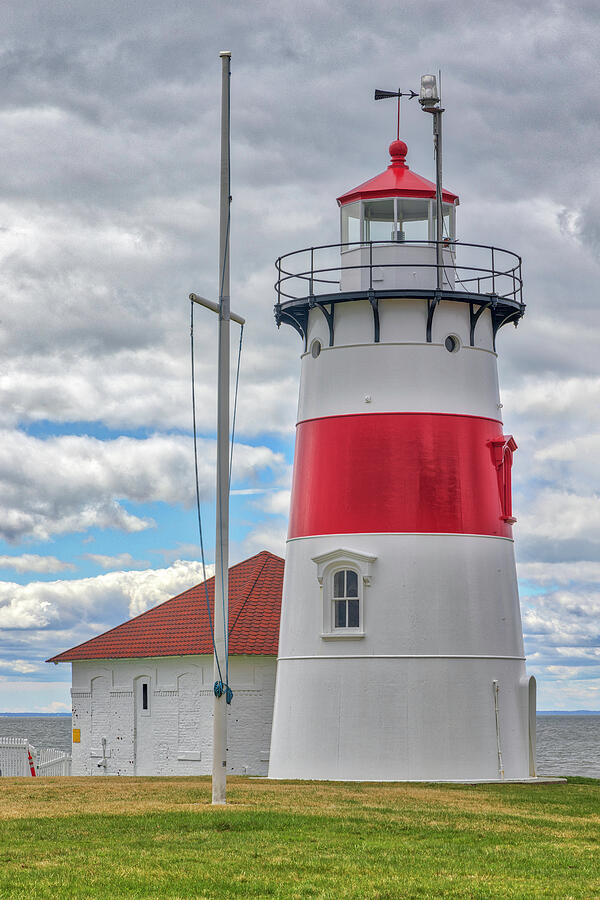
x: 398, y: 151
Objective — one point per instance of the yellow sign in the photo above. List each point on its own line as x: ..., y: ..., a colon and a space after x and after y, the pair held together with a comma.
x: 77, y: 735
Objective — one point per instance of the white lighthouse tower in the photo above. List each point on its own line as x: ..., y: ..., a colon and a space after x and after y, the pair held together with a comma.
x: 401, y: 648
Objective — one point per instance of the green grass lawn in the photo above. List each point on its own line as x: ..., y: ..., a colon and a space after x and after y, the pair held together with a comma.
x: 160, y: 837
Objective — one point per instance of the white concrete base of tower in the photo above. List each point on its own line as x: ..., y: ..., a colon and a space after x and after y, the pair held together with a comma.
x: 399, y: 719
x: 431, y: 687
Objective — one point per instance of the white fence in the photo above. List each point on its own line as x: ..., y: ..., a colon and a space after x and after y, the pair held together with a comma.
x: 14, y: 759
x: 52, y: 762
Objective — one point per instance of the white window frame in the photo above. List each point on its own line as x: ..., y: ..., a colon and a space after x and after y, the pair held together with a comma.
x: 327, y: 565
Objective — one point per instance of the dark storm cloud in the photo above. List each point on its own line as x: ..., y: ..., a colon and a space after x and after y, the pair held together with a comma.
x: 109, y: 185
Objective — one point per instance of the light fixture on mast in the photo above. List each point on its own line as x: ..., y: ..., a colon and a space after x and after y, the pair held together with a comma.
x: 428, y: 95
x: 430, y: 100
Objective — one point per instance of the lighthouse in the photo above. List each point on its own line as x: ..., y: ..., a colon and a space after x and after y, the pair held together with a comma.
x: 401, y: 648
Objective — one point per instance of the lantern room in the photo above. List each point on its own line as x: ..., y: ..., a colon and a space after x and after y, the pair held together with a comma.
x: 396, y: 207
x: 389, y: 251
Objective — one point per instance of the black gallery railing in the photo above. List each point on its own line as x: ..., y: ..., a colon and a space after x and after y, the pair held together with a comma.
x: 317, y: 271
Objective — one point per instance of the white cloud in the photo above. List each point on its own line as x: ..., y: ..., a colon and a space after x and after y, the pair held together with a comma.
x: 568, y: 691
x: 573, y: 463
x: 121, y: 561
x: 265, y: 537
x: 56, y: 706
x: 22, y: 666
x: 69, y: 603
x: 562, y: 622
x: 104, y: 353
x: 544, y: 573
x: 181, y: 551
x: 32, y: 562
x: 156, y: 585
x: 554, y: 513
x: 276, y: 503
x: 539, y: 400
x: 19, y: 609
x: 23, y: 695
x: 42, y: 619
x: 66, y: 484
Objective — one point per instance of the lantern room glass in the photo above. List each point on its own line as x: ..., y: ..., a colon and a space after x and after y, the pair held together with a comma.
x: 351, y: 221
x: 413, y: 219
x: 394, y: 219
x: 378, y: 220
x: 449, y: 224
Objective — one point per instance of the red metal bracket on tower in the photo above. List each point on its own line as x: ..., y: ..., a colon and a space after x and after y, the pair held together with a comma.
x: 502, y: 454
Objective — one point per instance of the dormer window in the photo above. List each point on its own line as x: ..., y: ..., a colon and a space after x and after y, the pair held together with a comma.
x: 343, y: 576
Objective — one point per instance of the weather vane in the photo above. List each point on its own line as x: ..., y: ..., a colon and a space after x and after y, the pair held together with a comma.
x: 385, y: 95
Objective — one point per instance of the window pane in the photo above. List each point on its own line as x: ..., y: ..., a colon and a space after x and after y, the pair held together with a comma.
x: 448, y: 230
x: 351, y: 584
x: 379, y: 220
x: 350, y: 223
x: 413, y: 216
x: 353, y: 614
x: 144, y: 696
x: 338, y: 584
x: 379, y: 210
x: 340, y: 613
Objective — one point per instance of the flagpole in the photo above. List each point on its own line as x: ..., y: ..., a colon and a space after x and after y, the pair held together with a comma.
x: 221, y: 602
x: 222, y: 691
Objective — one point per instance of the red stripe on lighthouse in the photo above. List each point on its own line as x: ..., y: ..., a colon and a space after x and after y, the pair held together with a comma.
x: 396, y: 472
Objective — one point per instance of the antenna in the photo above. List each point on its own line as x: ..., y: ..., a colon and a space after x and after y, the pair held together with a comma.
x: 386, y: 95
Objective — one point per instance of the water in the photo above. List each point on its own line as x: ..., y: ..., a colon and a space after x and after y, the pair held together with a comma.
x: 566, y: 745
x: 41, y: 731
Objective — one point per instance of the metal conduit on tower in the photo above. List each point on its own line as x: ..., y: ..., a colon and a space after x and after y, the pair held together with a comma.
x: 400, y: 620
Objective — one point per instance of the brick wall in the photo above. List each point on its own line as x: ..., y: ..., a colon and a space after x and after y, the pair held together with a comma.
x: 174, y: 735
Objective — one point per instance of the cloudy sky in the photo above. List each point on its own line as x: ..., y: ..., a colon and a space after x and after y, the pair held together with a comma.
x: 109, y: 218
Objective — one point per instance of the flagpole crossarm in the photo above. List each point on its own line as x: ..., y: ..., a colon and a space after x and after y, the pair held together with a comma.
x: 202, y: 301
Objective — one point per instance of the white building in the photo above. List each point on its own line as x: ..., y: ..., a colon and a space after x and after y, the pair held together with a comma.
x: 143, y: 692
x: 401, y: 649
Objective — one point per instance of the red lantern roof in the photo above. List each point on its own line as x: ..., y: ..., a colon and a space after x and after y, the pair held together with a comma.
x: 396, y: 181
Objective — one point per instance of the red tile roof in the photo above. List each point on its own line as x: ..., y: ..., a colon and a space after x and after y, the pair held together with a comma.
x: 181, y: 625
